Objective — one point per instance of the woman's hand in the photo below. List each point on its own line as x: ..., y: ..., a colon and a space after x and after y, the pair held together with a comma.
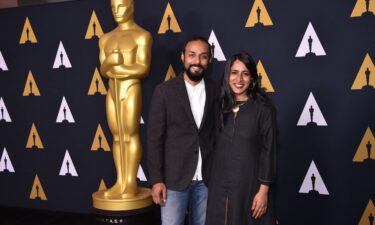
x: 260, y: 201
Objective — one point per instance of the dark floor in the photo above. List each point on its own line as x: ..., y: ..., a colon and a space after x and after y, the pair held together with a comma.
x: 18, y: 216
x: 15, y: 216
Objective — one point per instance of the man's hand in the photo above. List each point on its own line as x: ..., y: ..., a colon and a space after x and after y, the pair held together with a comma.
x: 159, y: 193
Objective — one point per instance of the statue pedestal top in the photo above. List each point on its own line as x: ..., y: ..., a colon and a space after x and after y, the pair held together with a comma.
x: 142, y: 199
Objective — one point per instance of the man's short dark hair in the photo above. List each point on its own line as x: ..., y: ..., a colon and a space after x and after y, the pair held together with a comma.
x: 198, y: 38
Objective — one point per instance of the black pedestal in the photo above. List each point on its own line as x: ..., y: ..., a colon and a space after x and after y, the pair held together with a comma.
x: 145, y: 216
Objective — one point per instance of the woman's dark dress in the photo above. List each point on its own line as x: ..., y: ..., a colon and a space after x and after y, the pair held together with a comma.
x: 244, y: 158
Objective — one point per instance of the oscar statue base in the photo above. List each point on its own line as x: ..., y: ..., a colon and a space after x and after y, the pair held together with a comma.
x: 144, y: 216
x: 141, y: 200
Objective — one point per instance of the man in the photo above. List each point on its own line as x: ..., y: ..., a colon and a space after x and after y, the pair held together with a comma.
x: 180, y: 137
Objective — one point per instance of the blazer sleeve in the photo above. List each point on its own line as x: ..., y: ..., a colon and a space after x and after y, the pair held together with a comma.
x: 156, y: 133
x: 267, y: 159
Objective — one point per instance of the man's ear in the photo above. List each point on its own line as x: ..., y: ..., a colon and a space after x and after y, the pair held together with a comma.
x: 182, y: 57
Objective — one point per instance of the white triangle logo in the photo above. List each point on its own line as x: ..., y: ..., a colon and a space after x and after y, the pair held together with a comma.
x: 217, y: 53
x: 67, y: 167
x: 140, y: 174
x: 313, y: 182
x: 3, y: 65
x: 311, y: 114
x: 142, y: 121
x: 61, y: 59
x: 310, y: 44
x: 5, y: 163
x: 65, y: 115
x: 4, y: 115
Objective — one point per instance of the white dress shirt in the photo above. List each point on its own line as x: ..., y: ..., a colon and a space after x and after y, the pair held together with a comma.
x: 197, y: 98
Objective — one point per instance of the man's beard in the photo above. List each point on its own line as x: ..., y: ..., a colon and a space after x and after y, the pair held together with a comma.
x: 195, y: 77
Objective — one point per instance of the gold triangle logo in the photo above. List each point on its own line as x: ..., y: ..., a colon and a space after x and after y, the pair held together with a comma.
x: 363, y: 7
x: 100, y: 142
x: 102, y: 186
x: 94, y: 28
x: 258, y: 15
x: 169, y: 22
x: 31, y: 88
x: 366, y: 75
x: 368, y: 215
x: 366, y: 149
x: 27, y: 35
x: 37, y: 190
x: 97, y: 86
x: 263, y: 78
x: 170, y: 73
x: 34, y: 140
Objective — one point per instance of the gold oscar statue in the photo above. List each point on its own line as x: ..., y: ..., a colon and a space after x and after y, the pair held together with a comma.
x: 125, y: 57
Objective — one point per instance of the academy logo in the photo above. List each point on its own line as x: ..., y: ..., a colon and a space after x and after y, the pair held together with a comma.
x: 37, y: 191
x: 34, y: 141
x: 313, y: 183
x: 61, y: 59
x: 169, y: 22
x: 259, y: 16
x: 31, y: 88
x: 64, y: 115
x: 3, y: 65
x: 67, y: 167
x: 310, y: 45
x: 97, y: 86
x: 6, y: 165
x: 28, y: 35
x: 311, y: 114
x: 365, y: 79
x: 368, y: 215
x: 140, y: 174
x: 94, y: 29
x: 170, y: 73
x: 217, y: 53
x: 264, y: 81
x: 4, y: 115
x: 366, y: 149
x: 102, y: 185
x: 364, y: 8
x: 100, y: 142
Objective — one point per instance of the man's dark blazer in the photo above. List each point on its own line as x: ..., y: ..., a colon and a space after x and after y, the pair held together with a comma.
x: 173, y: 138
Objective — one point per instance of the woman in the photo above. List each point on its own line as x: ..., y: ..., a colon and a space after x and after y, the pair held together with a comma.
x: 244, y: 160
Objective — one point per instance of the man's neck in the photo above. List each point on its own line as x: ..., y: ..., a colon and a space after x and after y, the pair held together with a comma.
x: 191, y: 82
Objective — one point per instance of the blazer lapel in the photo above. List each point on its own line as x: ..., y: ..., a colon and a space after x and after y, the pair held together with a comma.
x: 183, y: 95
x: 208, y: 102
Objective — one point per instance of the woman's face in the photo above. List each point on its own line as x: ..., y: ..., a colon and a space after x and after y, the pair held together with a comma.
x: 239, y: 80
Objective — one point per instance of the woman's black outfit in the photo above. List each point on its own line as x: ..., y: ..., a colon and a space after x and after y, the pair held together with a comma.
x: 244, y: 158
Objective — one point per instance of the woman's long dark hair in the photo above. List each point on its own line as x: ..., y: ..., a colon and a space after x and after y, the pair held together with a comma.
x: 255, y: 92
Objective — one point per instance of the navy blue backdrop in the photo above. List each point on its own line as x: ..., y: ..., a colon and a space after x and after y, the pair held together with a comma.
x: 336, y: 145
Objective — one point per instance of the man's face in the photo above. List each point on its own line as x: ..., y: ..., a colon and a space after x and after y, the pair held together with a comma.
x: 196, y: 59
x: 122, y: 10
